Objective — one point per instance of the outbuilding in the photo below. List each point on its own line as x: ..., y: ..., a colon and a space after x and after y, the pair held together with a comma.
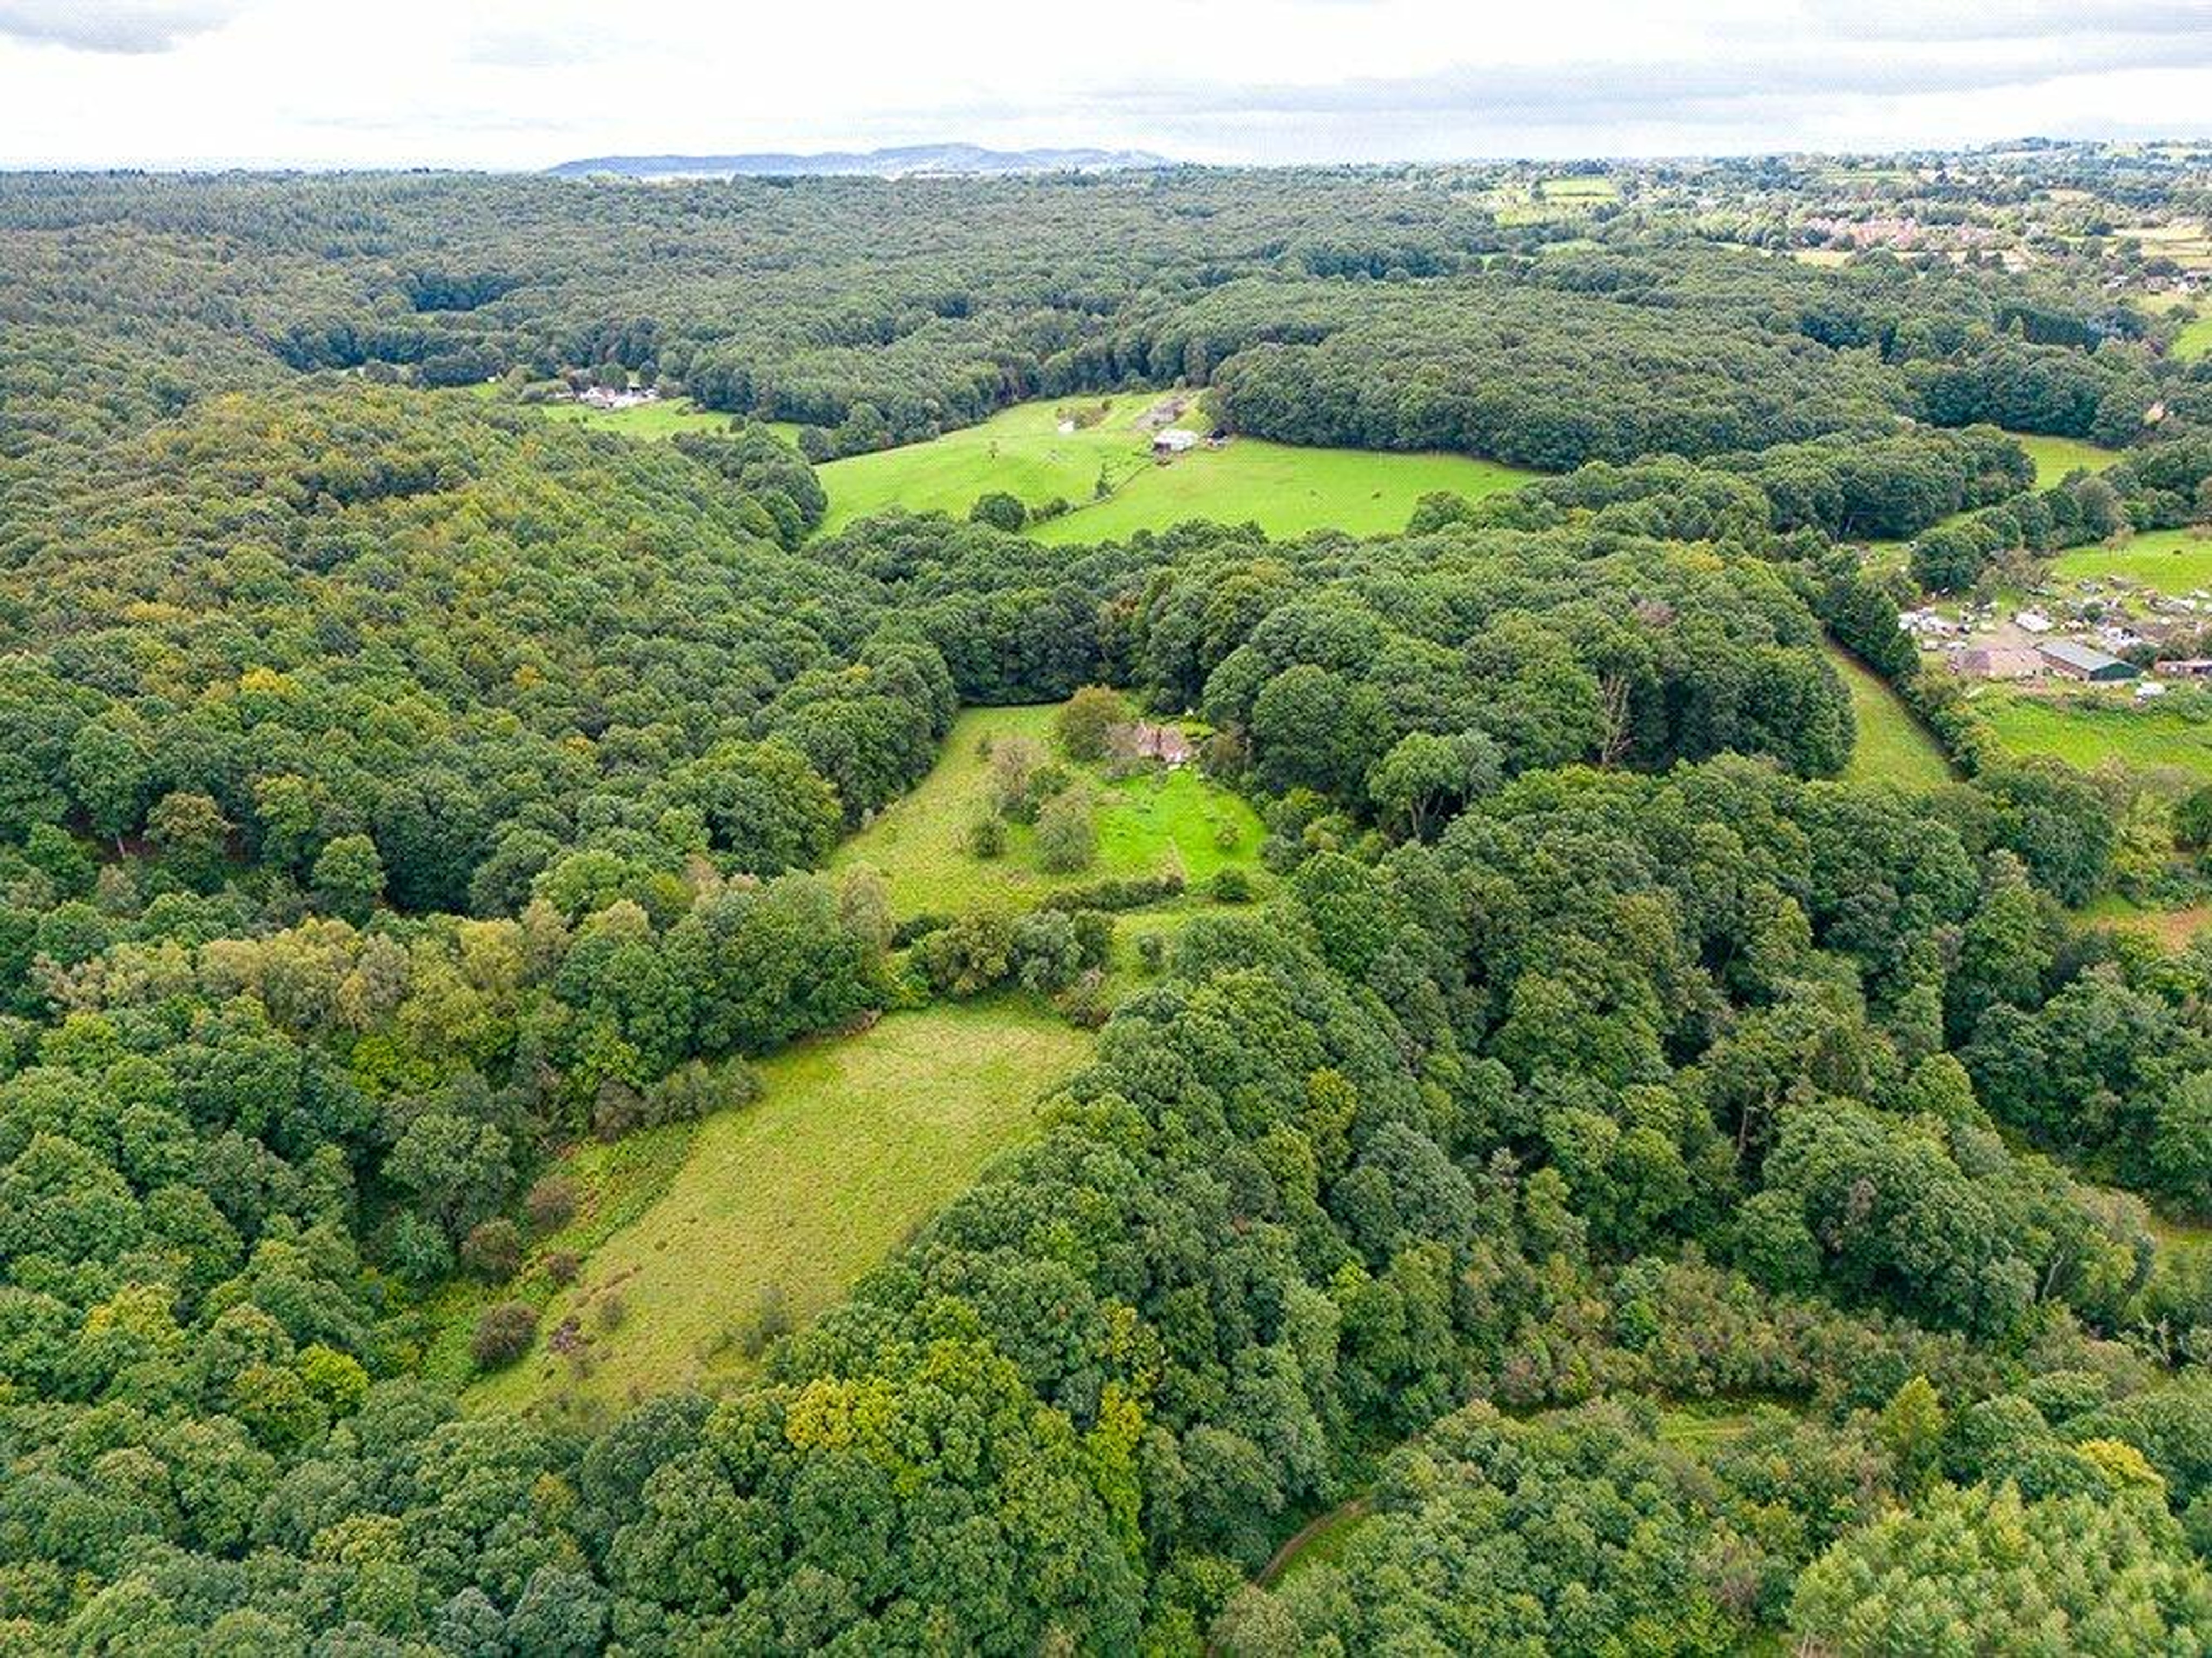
x: 1174, y: 442
x: 2079, y: 661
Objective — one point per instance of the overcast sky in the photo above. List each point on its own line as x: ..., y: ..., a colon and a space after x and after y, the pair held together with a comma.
x: 524, y: 83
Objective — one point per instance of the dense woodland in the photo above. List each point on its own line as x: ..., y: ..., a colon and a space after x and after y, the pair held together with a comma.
x: 397, y: 787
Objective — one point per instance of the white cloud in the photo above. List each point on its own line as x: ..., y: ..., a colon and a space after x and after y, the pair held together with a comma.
x: 129, y: 27
x: 517, y: 83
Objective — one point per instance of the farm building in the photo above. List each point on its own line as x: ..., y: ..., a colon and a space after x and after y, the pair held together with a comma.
x: 2187, y: 667
x: 1142, y: 740
x: 2078, y: 661
x: 1174, y: 442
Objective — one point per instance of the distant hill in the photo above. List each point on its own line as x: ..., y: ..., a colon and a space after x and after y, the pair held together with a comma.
x: 901, y: 162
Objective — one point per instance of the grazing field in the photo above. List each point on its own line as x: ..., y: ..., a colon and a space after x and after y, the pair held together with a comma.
x: 2195, y: 339
x: 2055, y: 458
x: 1148, y: 824
x: 1892, y: 747
x: 1026, y: 452
x: 2089, y: 731
x: 647, y: 420
x: 854, y: 1142
x: 1286, y: 491
x: 2172, y: 562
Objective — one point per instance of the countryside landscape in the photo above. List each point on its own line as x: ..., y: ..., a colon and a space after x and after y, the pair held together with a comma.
x: 1032, y: 898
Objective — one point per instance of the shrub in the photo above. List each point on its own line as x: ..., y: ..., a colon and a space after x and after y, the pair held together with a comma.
x: 1066, y: 832
x: 969, y: 956
x: 493, y: 1250
x: 986, y: 837
x: 1153, y: 951
x: 1085, y: 719
x: 999, y: 510
x: 551, y: 1204
x: 1231, y: 886
x: 771, y: 1321
x: 563, y: 1265
x: 503, y: 1334
x: 609, y: 1311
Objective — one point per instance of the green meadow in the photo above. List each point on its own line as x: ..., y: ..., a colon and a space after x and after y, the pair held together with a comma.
x: 2174, y: 562
x: 1893, y: 746
x: 648, y: 419
x: 854, y: 1141
x: 2195, y: 339
x: 2055, y: 458
x: 1149, y: 824
x: 1025, y: 453
x: 2087, y: 731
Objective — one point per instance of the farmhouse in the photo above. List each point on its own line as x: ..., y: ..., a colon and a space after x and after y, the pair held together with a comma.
x: 1172, y: 442
x: 1140, y: 739
x: 2078, y: 661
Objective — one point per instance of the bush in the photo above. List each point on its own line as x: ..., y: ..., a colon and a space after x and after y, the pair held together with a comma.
x: 969, y: 956
x: 563, y: 1265
x: 999, y: 510
x: 1085, y: 719
x: 503, y: 1334
x: 493, y: 1250
x: 551, y: 1204
x: 1153, y: 951
x: 986, y: 837
x: 1066, y: 832
x: 1132, y: 892
x: 771, y: 1321
x: 1231, y: 886
x: 609, y: 1311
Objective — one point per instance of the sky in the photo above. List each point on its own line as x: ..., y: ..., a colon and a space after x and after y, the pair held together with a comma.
x: 526, y: 84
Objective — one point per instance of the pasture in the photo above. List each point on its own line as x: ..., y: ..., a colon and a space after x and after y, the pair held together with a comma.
x: 650, y: 421
x: 2172, y: 562
x: 2195, y: 339
x: 1148, y: 824
x: 2055, y: 456
x: 854, y: 1142
x: 1285, y: 489
x: 2169, y: 738
x: 1026, y: 452
x: 1893, y: 746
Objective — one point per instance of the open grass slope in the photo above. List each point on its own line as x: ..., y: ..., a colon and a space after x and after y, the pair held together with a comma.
x: 854, y: 1141
x: 1024, y: 452
x: 2055, y: 458
x: 650, y: 421
x: 2150, y: 738
x: 2174, y: 562
x: 1892, y: 747
x: 1286, y: 491
x: 1148, y: 824
x: 2195, y: 339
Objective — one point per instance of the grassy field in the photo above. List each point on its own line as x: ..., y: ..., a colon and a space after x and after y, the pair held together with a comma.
x: 855, y: 1141
x: 2172, y: 928
x: 2195, y: 339
x: 1893, y: 746
x: 647, y: 420
x: 1147, y: 824
x: 2055, y: 458
x: 1022, y: 451
x: 1285, y: 489
x: 2174, y: 562
x: 2150, y: 738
